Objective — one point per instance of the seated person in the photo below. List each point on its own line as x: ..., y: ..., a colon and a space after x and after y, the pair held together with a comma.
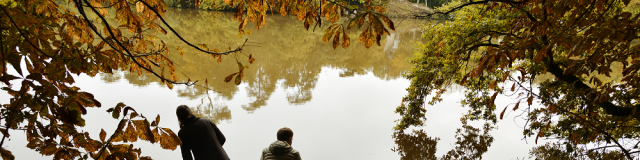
x: 281, y: 149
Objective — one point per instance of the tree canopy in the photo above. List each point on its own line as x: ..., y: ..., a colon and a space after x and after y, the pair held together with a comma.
x: 569, y: 67
x: 55, y: 39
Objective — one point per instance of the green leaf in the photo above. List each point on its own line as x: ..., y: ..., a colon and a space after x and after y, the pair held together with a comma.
x: 238, y: 79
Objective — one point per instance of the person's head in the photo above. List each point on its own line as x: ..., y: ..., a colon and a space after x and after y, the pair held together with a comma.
x: 285, y: 134
x: 183, y: 112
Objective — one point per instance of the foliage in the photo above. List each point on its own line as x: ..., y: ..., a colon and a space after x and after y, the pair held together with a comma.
x: 432, y: 3
x: 633, y: 7
x: 493, y: 48
x: 557, y: 151
x: 44, y: 42
x: 215, y: 5
x: 415, y: 146
x: 470, y: 143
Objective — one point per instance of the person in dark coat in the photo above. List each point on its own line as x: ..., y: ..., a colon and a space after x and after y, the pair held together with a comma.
x: 281, y: 149
x: 199, y: 136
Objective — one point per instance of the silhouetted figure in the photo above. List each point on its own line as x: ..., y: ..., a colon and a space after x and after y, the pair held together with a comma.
x: 199, y: 136
x: 281, y: 149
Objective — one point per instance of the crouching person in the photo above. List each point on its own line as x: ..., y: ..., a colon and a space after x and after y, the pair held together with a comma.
x: 281, y: 149
x: 199, y: 136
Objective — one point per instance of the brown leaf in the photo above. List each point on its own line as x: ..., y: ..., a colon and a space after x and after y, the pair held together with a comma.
x: 157, y: 121
x: 229, y: 77
x: 336, y: 39
x: 464, y: 79
x: 502, y: 113
x: 168, y: 142
x: 493, y: 99
x: 121, y: 125
x: 516, y: 107
x: 130, y: 133
x: 530, y: 100
x: 103, y: 135
x: 387, y: 21
x: 6, y: 155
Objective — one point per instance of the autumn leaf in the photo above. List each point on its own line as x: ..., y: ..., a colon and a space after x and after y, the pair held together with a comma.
x: 387, y: 21
x: 229, y: 77
x: 336, y: 39
x: 6, y: 155
x: 251, y: 60
x: 130, y: 133
x: 156, y: 121
x: 103, y: 135
x: 238, y: 79
x: 198, y: 3
x: 169, y: 84
x: 502, y: 113
x: 345, y: 39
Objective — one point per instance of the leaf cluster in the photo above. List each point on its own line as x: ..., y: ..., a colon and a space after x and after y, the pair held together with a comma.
x: 496, y: 48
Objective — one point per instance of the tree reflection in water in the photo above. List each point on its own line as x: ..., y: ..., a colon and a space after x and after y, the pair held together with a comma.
x: 415, y: 146
x: 470, y: 143
x: 215, y: 112
x: 287, y: 57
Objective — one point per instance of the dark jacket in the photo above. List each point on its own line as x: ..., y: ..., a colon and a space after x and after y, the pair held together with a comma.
x: 203, y: 138
x: 280, y: 150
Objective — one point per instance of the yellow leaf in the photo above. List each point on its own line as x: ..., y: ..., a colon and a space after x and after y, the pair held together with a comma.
x: 198, y: 3
x: 345, y: 39
x: 378, y: 8
x: 169, y: 84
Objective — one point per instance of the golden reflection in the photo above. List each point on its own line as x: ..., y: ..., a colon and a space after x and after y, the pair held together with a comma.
x: 215, y: 112
x: 286, y: 55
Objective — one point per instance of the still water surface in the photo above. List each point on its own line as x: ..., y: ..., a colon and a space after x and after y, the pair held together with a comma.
x: 339, y: 103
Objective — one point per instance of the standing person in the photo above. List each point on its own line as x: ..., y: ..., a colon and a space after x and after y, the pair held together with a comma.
x: 199, y: 136
x: 281, y: 149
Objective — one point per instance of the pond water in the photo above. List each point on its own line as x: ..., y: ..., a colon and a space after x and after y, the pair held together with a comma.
x: 339, y: 102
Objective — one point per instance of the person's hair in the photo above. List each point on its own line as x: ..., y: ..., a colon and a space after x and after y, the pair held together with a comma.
x: 183, y: 112
x: 284, y: 134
